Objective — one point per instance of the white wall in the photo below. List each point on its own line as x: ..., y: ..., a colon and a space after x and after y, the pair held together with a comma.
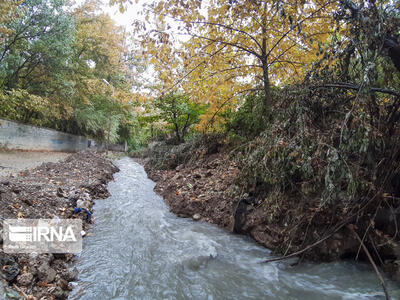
x: 15, y: 135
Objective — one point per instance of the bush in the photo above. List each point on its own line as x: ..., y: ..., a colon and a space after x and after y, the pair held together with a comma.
x: 164, y: 155
x: 318, y: 147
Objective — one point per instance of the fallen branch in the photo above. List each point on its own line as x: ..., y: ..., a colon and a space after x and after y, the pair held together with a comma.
x: 341, y: 225
x: 371, y: 261
x: 306, y: 248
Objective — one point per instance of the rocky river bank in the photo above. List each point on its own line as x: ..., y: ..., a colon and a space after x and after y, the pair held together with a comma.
x: 52, y: 190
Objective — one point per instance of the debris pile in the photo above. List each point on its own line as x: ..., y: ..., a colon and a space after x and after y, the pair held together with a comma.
x: 66, y: 189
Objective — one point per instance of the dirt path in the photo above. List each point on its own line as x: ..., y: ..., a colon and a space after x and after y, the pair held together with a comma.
x: 12, y: 162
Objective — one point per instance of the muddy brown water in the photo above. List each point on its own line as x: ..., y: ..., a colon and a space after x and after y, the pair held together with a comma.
x: 139, y: 250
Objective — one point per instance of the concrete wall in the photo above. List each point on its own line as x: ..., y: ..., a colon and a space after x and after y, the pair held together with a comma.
x: 14, y: 135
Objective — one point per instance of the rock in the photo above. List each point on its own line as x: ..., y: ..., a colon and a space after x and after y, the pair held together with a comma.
x: 208, y: 173
x: 9, y: 268
x: 46, y: 257
x: 16, y: 190
x: 46, y: 273
x: 63, y: 284
x: 7, y: 293
x: 25, y: 279
x: 240, y: 214
x: 58, y: 293
x: 196, y: 217
x: 70, y: 274
x: 60, y: 193
x: 180, y: 167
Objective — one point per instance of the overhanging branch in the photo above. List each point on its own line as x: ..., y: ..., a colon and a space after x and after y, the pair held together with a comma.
x: 350, y: 86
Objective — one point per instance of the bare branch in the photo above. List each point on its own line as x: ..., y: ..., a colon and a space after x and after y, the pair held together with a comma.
x: 350, y: 86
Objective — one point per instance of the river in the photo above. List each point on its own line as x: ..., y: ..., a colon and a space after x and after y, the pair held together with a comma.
x: 137, y: 249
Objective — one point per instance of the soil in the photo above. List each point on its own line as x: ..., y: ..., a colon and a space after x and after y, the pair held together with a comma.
x: 202, y: 189
x: 47, y: 191
x: 208, y: 191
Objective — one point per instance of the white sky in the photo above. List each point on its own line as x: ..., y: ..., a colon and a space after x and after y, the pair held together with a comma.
x: 131, y: 13
x: 122, y: 19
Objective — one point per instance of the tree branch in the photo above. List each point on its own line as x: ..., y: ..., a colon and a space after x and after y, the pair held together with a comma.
x: 350, y: 86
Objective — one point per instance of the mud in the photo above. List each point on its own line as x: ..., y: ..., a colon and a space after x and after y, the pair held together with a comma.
x: 47, y: 191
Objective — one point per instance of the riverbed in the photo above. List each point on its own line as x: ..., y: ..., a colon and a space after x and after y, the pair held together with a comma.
x: 137, y: 249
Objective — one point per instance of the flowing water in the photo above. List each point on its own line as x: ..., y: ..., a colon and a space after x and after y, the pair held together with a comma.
x: 139, y: 250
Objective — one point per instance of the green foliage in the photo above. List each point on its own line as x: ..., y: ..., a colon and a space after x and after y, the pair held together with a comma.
x: 53, y: 61
x: 39, y: 44
x: 247, y: 120
x: 163, y: 155
x: 24, y: 107
x: 306, y: 150
x: 180, y: 113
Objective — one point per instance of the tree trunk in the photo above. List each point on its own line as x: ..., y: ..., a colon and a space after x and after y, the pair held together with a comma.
x: 267, y: 87
x: 266, y: 83
x: 178, y: 136
x: 264, y: 62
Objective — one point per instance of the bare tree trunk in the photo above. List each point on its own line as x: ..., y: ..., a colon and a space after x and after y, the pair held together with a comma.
x: 264, y: 62
x: 267, y: 87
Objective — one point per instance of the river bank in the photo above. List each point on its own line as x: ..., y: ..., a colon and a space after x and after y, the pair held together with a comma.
x: 48, y: 191
x: 138, y: 249
x: 207, y: 190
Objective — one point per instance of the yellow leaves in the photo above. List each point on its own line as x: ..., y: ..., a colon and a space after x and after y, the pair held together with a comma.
x: 153, y: 60
x: 8, y: 10
x: 98, y: 38
x: 160, y: 6
x: 385, y: 101
x: 223, y: 56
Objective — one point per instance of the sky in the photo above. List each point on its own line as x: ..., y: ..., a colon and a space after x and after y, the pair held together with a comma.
x: 132, y: 12
x: 126, y: 18
x: 122, y: 19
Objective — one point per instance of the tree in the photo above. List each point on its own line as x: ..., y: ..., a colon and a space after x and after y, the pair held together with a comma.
x: 242, y: 46
x: 53, y: 62
x: 8, y: 10
x: 37, y: 46
x: 179, y: 112
x: 100, y: 56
